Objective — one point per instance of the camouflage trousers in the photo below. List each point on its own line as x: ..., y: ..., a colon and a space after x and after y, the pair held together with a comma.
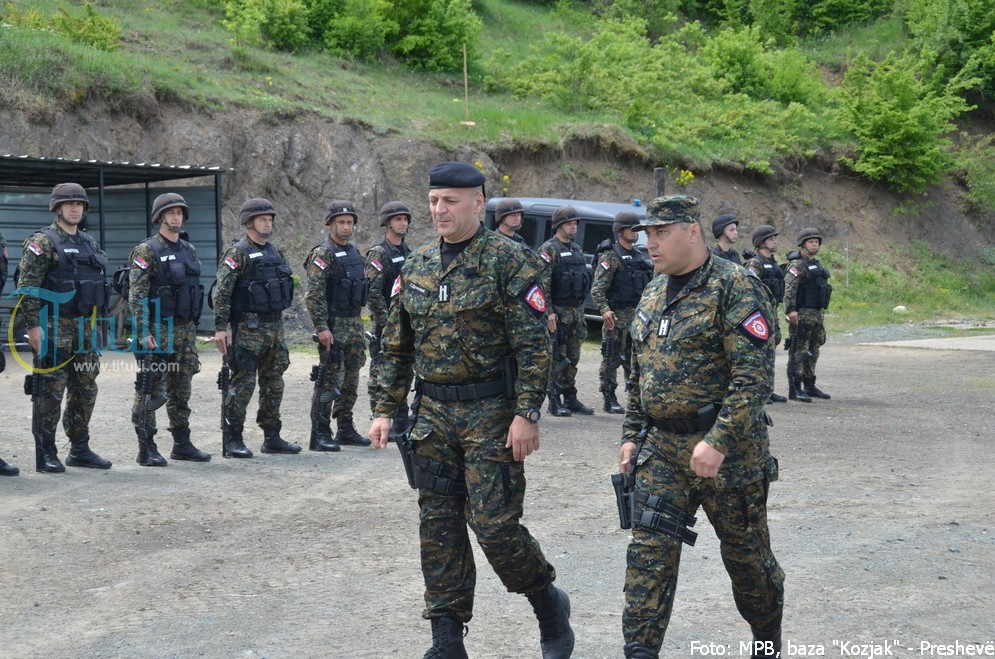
x: 739, y: 517
x: 469, y: 438
x: 373, y: 382
x: 77, y: 383
x: 806, y: 338
x: 623, y: 354
x: 259, y: 350
x: 348, y: 335
x: 172, y: 374
x: 572, y: 330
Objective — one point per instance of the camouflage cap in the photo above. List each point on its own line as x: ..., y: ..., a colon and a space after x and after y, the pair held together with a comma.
x: 393, y: 209
x: 507, y: 207
x: 338, y: 207
x: 564, y: 214
x: 625, y: 220
x: 762, y: 233
x: 166, y: 201
x: 254, y: 208
x: 808, y: 233
x: 670, y: 209
x: 64, y: 192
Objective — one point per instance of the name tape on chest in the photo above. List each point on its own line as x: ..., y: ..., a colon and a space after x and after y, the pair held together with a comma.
x: 415, y: 287
x: 167, y: 257
x: 339, y: 255
x: 70, y: 250
x: 768, y: 266
x: 255, y: 255
x: 566, y: 253
x: 813, y: 267
x: 397, y: 259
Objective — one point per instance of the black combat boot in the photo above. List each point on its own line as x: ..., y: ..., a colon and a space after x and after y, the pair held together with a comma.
x: 322, y: 439
x: 47, y: 455
x: 347, y: 433
x: 775, y: 398
x: 80, y: 454
x: 8, y: 470
x: 795, y: 392
x: 552, y: 609
x: 766, y: 645
x: 183, y: 448
x: 639, y: 651
x: 148, y: 452
x: 273, y: 443
x: 814, y: 391
x: 571, y: 403
x: 612, y: 405
x: 556, y: 407
x: 447, y: 639
x: 232, y: 445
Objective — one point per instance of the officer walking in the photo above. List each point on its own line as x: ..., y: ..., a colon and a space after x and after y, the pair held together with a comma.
x: 5, y: 469
x: 509, y: 214
x: 567, y: 278
x: 725, y: 230
x: 765, y: 267
x: 467, y: 320
x: 695, y: 430
x: 383, y: 264
x: 166, y: 297
x: 337, y: 288
x: 620, y: 276
x: 66, y: 262
x: 806, y: 296
x: 253, y: 288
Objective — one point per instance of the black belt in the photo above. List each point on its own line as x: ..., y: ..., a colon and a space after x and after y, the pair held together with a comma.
x: 701, y: 422
x: 451, y: 393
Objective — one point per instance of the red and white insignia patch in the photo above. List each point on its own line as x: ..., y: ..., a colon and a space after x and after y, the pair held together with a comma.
x: 793, y: 270
x: 140, y: 262
x: 396, y: 288
x: 604, y: 264
x: 376, y: 264
x: 320, y: 262
x: 545, y: 257
x: 535, y: 298
x: 36, y: 248
x: 231, y: 263
x: 756, y: 326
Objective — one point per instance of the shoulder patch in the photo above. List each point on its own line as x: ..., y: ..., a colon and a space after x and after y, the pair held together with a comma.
x: 379, y: 266
x: 535, y: 299
x: 231, y: 263
x: 545, y: 257
x: 794, y: 271
x: 604, y: 264
x: 140, y: 262
x: 396, y: 288
x: 320, y: 262
x: 756, y: 328
x: 35, y: 248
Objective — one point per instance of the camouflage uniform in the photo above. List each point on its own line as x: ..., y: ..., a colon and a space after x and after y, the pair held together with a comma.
x: 454, y: 326
x: 807, y: 291
x: 700, y: 371
x: 78, y: 378
x: 5, y: 469
x: 768, y: 271
x: 382, y: 269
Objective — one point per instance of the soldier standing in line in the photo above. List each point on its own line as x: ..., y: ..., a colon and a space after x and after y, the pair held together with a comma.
x: 253, y: 288
x: 695, y: 432
x: 165, y: 296
x: 567, y: 278
x: 765, y: 267
x: 337, y: 289
x: 5, y: 469
x: 63, y: 259
x: 508, y: 216
x: 806, y: 296
x: 725, y: 230
x: 620, y: 275
x: 468, y: 322
x: 383, y: 264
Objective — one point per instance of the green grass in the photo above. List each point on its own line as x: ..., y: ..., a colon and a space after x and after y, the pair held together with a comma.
x: 875, y: 40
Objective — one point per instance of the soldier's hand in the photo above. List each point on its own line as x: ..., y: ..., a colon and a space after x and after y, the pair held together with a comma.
x: 223, y: 341
x: 705, y: 461
x: 150, y: 342
x: 523, y: 438
x: 326, y: 339
x: 380, y: 431
x: 34, y: 338
x: 792, y: 317
x: 551, y: 322
x: 625, y: 457
x: 608, y: 317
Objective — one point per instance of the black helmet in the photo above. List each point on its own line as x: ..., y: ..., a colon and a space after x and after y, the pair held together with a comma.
x: 393, y: 209
x: 166, y: 201
x: 564, y: 214
x: 507, y: 207
x: 808, y: 233
x: 762, y: 233
x: 255, y: 207
x: 624, y: 220
x: 338, y: 207
x: 64, y: 192
x: 720, y: 223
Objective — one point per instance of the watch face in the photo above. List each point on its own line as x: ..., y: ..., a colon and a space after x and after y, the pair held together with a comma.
x: 533, y: 416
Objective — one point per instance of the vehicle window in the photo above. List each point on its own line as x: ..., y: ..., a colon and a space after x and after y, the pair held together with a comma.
x: 530, y: 230
x: 594, y: 233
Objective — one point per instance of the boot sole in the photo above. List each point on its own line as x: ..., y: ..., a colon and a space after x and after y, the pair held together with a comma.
x: 334, y: 449
x: 73, y: 463
x: 156, y: 464
x: 236, y: 455
x: 173, y: 456
x: 51, y: 471
x: 278, y: 451
x: 13, y: 472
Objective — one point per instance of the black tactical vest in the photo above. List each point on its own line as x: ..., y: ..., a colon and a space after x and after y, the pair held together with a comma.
x: 393, y: 261
x: 773, y: 277
x: 175, y: 279
x: 813, y: 289
x: 266, y: 286
x: 82, y: 268
x: 629, y: 282
x: 729, y: 255
x: 346, y: 286
x: 571, y: 279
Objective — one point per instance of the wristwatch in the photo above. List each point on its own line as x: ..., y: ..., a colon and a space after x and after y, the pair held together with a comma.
x: 531, y: 415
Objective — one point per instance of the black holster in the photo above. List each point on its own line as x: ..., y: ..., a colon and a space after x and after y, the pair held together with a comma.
x: 623, y: 484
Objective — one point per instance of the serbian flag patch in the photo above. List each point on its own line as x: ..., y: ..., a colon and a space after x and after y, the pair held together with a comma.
x: 140, y: 262
x: 396, y: 288
x: 793, y: 270
x: 604, y: 264
x: 756, y: 328
x: 320, y: 262
x: 376, y: 264
x: 231, y: 263
x: 535, y: 299
x: 545, y: 257
x: 36, y: 248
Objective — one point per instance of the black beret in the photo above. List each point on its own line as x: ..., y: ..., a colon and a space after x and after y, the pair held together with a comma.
x: 455, y: 175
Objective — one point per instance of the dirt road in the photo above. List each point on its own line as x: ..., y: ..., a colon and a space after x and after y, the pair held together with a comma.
x: 883, y: 520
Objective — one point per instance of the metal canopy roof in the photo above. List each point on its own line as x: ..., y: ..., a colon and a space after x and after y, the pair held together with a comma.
x: 29, y: 171
x: 588, y: 210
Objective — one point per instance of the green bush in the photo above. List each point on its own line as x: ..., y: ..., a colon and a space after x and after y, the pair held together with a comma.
x: 87, y: 27
x: 434, y: 33
x: 828, y: 15
x: 898, y: 121
x: 286, y: 25
x: 361, y: 30
x: 977, y: 157
x: 658, y: 14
